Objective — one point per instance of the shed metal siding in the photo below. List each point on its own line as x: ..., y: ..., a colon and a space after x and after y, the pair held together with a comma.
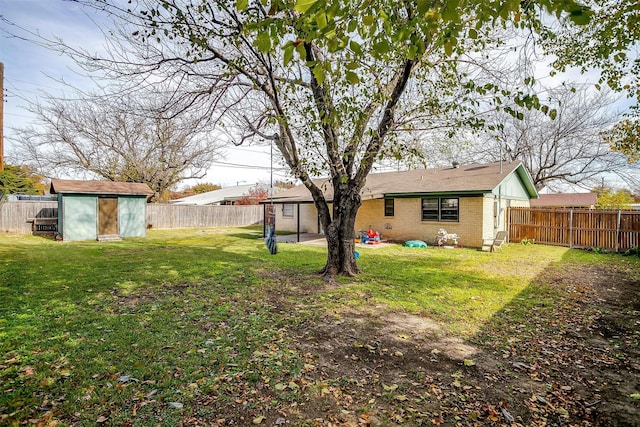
x: 132, y: 216
x: 80, y: 216
x: 60, y: 216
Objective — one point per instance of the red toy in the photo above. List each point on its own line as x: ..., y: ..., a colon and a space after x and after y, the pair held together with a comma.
x: 373, y: 238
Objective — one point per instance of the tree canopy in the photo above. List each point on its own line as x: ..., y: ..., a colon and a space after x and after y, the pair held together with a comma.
x: 15, y: 179
x: 625, y: 138
x: 254, y: 196
x: 119, y: 138
x: 202, y: 188
x: 610, y: 45
x: 613, y: 199
x: 568, y: 150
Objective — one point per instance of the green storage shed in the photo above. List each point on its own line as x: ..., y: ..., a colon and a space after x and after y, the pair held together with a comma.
x: 100, y: 210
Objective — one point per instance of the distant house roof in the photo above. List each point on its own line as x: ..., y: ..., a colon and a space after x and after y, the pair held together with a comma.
x: 466, y: 179
x: 67, y: 186
x: 228, y: 194
x: 565, y: 200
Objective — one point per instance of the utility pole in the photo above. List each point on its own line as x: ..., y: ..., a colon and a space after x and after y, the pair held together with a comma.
x: 1, y: 116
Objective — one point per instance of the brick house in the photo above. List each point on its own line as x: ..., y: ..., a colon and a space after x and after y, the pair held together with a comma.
x: 469, y: 200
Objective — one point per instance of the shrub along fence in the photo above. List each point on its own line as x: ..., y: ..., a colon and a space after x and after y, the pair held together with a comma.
x: 19, y: 217
x: 613, y: 230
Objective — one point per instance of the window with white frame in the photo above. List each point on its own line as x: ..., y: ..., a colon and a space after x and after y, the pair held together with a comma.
x: 287, y: 210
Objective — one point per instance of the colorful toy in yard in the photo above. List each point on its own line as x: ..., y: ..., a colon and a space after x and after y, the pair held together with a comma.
x: 370, y: 237
x: 415, y: 244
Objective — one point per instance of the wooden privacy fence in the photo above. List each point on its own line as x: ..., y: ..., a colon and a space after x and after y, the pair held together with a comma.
x: 18, y: 217
x: 613, y: 230
x: 186, y: 216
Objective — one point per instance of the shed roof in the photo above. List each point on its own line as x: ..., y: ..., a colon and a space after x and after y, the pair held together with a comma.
x: 466, y: 179
x: 68, y: 186
x: 566, y: 200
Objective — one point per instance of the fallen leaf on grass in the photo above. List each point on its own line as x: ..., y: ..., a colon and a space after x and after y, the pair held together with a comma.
x: 101, y: 419
x: 259, y: 420
x: 507, y: 416
x: 47, y: 382
x: 520, y: 365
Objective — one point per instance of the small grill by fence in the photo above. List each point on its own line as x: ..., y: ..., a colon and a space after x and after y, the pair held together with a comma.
x: 45, y: 225
x: 613, y: 230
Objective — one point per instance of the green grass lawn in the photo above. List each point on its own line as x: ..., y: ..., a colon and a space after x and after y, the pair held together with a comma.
x: 152, y: 329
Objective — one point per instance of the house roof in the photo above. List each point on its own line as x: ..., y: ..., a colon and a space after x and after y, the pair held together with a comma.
x: 466, y: 179
x: 67, y: 186
x: 565, y: 200
x: 217, y: 196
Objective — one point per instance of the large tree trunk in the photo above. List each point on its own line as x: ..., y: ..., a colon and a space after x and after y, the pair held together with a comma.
x: 340, y: 232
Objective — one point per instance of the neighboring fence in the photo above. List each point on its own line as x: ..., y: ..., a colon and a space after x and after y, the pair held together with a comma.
x: 615, y: 231
x: 184, y: 216
x: 18, y: 217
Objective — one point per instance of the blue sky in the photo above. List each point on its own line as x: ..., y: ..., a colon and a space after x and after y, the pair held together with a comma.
x: 30, y: 69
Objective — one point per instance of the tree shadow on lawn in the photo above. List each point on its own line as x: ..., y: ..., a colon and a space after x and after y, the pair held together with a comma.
x: 270, y: 343
x: 117, y: 331
x: 564, y: 351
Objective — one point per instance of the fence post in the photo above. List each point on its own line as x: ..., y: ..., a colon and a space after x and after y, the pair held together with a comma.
x: 618, y: 231
x: 570, y: 228
x: 508, y: 223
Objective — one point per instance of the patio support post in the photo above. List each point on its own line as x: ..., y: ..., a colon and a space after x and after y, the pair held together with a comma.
x: 298, y: 223
x: 264, y: 220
